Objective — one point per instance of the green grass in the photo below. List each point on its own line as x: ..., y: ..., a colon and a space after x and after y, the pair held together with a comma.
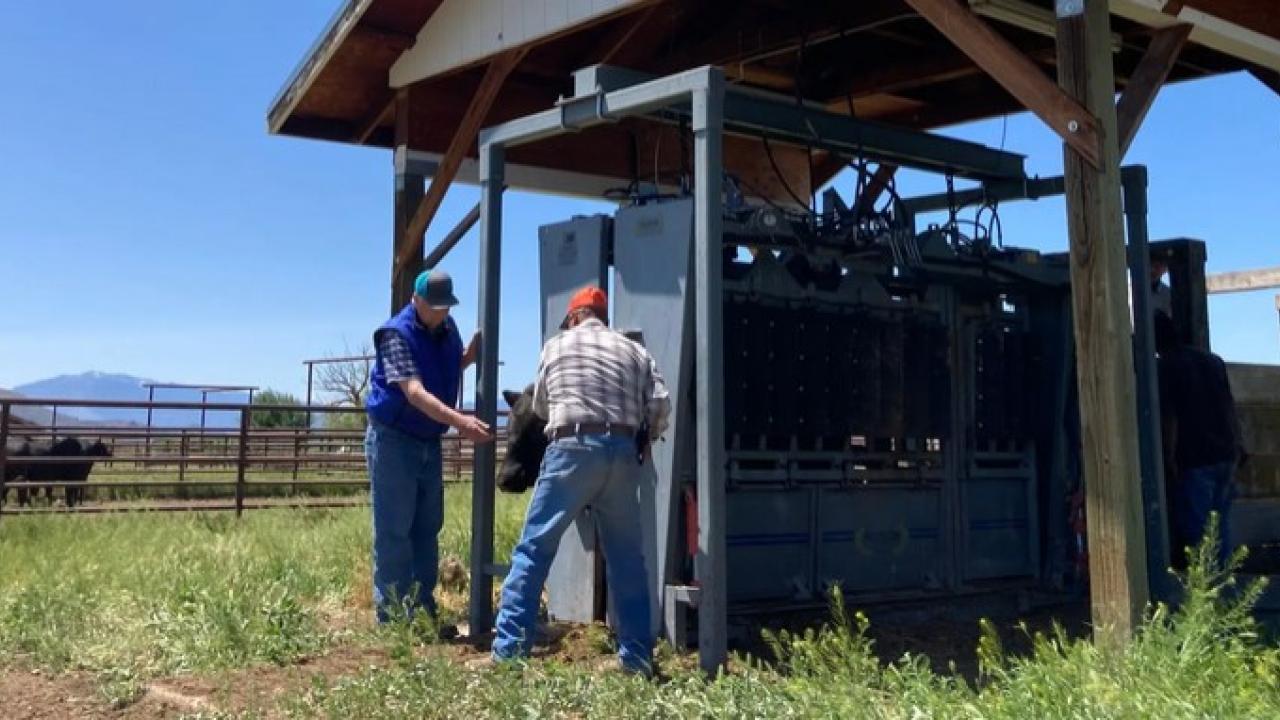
x: 138, y: 596
x: 134, y: 597
x: 1203, y: 661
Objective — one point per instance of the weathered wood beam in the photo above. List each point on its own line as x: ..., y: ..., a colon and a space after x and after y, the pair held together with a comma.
x: 1270, y: 78
x: 1243, y: 281
x: 876, y: 186
x: 1016, y: 73
x: 409, y: 188
x: 463, y: 138
x: 1146, y: 80
x: 1105, y: 372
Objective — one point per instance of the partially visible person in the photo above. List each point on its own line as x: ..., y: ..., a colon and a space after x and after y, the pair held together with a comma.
x: 1161, y: 295
x: 1202, y: 441
x: 413, y: 396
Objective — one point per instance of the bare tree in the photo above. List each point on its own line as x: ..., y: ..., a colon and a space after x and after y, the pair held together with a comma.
x: 346, y: 382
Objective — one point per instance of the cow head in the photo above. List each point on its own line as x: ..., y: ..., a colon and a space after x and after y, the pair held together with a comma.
x: 526, y: 443
x: 97, y: 449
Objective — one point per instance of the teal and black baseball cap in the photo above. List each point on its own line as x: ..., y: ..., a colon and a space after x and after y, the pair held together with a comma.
x: 436, y: 288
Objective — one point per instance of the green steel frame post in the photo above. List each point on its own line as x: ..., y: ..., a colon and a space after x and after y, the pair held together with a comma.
x: 709, y: 562
x: 486, y: 405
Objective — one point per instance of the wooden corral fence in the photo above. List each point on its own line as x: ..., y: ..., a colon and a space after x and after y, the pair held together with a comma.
x: 161, y: 468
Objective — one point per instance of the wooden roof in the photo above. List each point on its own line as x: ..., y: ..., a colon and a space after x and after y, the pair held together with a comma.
x: 875, y: 58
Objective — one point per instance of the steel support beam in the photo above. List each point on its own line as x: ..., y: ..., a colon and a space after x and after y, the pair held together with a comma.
x: 617, y: 93
x: 710, y: 560
x: 486, y: 401
x: 1000, y: 191
x: 1154, y: 503
x: 989, y: 192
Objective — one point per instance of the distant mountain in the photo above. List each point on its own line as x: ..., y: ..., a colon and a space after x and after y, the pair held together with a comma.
x: 120, y: 387
x: 27, y: 414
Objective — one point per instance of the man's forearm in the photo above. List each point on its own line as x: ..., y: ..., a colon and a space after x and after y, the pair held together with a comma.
x: 431, y: 405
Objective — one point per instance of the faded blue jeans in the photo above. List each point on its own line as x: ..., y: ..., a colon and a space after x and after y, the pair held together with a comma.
x: 407, y: 487
x: 599, y: 471
x: 1202, y: 490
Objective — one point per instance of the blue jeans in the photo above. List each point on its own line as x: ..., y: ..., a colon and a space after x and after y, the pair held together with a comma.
x: 1202, y: 490
x: 407, y: 487
x: 599, y: 471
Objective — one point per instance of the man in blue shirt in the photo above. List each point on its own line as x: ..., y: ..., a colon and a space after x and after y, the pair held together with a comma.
x: 412, y: 401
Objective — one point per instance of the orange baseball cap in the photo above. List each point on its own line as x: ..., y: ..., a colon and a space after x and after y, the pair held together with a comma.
x: 588, y: 297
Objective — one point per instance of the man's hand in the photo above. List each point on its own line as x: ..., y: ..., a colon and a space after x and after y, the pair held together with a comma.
x: 474, y: 429
x: 473, y: 350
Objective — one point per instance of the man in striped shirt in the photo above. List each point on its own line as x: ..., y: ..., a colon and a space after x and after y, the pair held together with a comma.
x: 596, y: 388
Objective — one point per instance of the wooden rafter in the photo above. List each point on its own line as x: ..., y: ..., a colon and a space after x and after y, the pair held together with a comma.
x: 879, y: 181
x: 463, y: 138
x: 1243, y: 281
x: 1016, y: 73
x: 1270, y: 78
x: 1146, y: 80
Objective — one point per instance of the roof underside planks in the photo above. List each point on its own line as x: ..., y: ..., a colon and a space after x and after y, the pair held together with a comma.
x: 875, y: 58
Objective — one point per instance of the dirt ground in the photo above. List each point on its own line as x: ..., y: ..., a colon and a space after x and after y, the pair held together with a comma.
x: 27, y: 694
x: 37, y: 695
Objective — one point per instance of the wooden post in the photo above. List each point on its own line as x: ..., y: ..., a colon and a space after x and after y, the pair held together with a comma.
x: 1108, y: 416
x: 409, y: 189
x: 464, y: 138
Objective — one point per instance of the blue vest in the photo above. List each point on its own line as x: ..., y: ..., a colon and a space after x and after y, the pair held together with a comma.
x: 438, y: 358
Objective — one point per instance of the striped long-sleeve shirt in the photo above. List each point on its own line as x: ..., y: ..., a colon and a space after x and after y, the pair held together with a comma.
x: 592, y: 374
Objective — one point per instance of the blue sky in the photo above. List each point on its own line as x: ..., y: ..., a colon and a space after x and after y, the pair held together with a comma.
x: 150, y: 225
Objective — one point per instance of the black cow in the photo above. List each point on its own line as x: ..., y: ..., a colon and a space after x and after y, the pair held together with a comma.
x: 79, y: 472
x: 17, y: 469
x: 54, y: 472
x: 526, y: 443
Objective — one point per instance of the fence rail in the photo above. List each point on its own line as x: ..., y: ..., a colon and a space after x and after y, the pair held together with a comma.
x: 169, y: 468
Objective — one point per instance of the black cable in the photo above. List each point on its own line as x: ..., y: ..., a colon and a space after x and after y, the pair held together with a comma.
x: 768, y: 151
x: 951, y: 206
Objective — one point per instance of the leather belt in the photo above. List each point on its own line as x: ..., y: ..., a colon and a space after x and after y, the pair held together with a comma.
x: 565, y: 431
